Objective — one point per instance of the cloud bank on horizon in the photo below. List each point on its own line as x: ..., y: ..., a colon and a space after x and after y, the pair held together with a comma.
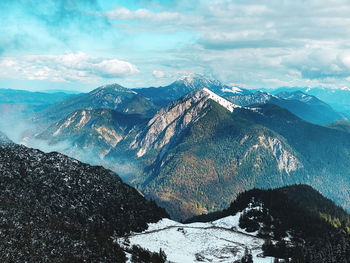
x: 81, y: 44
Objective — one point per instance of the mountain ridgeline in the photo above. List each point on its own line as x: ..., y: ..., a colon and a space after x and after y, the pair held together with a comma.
x: 194, y: 147
x: 113, y: 97
x: 161, y: 96
x: 26, y: 102
x: 307, y: 107
x: 57, y: 209
x: 98, y: 130
x: 209, y: 143
x: 202, y: 166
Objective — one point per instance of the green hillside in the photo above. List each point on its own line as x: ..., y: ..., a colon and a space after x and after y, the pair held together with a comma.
x: 226, y: 153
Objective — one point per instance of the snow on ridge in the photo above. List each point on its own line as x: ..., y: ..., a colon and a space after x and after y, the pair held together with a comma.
x: 218, y: 241
x: 223, y: 102
x: 345, y: 88
x: 233, y: 89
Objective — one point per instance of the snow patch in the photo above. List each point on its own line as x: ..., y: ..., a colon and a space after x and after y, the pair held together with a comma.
x: 232, y: 89
x: 218, y: 241
x: 223, y: 102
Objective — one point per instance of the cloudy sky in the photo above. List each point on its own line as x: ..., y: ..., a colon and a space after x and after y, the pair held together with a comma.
x: 71, y: 44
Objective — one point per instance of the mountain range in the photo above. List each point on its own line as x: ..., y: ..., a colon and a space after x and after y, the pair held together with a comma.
x: 338, y: 99
x: 197, y: 153
x: 113, y: 97
x: 307, y: 107
x: 26, y: 102
x: 57, y: 209
x: 163, y: 95
x: 202, y: 156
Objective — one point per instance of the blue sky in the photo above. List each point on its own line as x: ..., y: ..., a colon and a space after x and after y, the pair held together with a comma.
x: 80, y: 45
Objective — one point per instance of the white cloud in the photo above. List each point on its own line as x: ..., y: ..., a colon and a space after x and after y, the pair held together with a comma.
x: 65, y: 68
x: 158, y: 74
x: 141, y: 14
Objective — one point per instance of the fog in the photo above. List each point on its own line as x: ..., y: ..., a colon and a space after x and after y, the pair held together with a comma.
x: 19, y: 128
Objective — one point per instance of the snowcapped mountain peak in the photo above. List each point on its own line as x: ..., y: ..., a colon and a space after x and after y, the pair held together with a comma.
x: 233, y: 89
x: 194, y: 80
x: 223, y: 102
x: 114, y: 87
x: 188, y: 77
x: 191, y: 76
x: 345, y: 88
x: 173, y: 119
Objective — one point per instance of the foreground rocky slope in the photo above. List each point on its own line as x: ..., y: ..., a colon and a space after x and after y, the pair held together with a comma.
x: 56, y: 209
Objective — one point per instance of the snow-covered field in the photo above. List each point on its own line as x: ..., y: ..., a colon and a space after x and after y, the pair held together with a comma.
x: 217, y: 241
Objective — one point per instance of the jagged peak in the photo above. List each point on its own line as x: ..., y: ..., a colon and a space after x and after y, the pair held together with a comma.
x: 223, y: 102
x: 112, y: 87
x: 199, y: 93
x: 197, y: 80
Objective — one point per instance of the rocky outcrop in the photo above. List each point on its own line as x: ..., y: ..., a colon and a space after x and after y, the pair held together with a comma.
x: 285, y: 160
x: 98, y: 130
x: 172, y: 120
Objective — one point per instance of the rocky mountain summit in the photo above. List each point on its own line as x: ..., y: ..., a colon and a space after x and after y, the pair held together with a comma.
x: 112, y: 96
x: 96, y: 131
x: 171, y: 121
x: 161, y: 96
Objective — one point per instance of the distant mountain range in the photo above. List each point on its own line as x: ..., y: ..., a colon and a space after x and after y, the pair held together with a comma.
x: 113, y: 97
x: 338, y: 99
x: 26, y: 102
x: 196, y: 154
x: 209, y: 143
x: 163, y: 95
x: 305, y: 106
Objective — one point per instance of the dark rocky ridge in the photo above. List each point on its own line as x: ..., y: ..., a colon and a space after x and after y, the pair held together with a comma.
x: 57, y: 209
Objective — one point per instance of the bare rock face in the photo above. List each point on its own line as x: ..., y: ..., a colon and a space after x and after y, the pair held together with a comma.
x: 174, y: 119
x: 286, y: 161
x: 95, y: 130
x: 114, y: 97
